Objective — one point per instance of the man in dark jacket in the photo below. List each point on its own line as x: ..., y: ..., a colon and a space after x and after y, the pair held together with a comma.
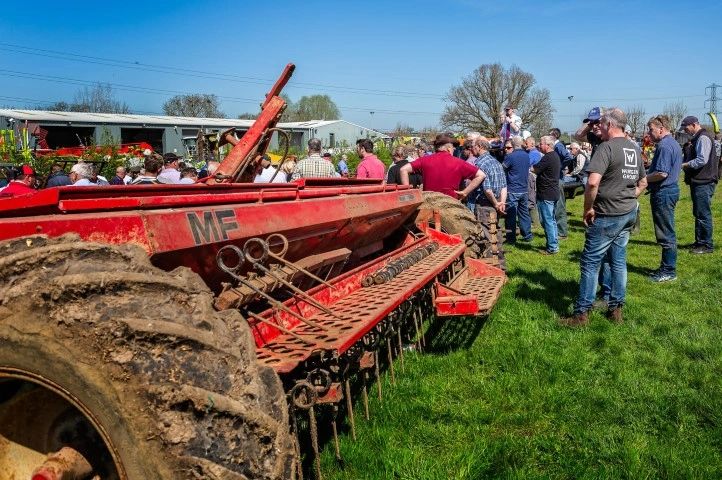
x: 701, y: 172
x: 58, y: 177
x: 119, y: 178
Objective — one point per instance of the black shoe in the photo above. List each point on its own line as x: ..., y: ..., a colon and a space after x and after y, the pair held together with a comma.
x: 701, y: 250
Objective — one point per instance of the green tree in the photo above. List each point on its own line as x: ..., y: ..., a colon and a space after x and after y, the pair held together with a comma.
x: 313, y: 107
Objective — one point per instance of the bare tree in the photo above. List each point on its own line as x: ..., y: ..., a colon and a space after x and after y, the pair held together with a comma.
x: 98, y: 99
x: 675, y: 111
x: 402, y: 130
x: 476, y: 103
x: 248, y: 116
x: 196, y: 105
x: 636, y: 119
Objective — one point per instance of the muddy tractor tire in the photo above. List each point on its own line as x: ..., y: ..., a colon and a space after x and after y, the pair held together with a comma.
x: 456, y: 218
x: 170, y: 385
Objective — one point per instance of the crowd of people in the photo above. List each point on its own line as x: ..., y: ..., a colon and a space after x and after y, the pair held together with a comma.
x: 524, y: 185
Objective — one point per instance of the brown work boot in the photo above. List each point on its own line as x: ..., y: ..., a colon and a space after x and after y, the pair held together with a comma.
x: 615, y: 315
x: 576, y: 320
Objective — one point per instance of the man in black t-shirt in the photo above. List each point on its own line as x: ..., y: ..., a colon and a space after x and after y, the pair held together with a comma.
x: 547, y: 192
x: 616, y: 178
x: 401, y: 158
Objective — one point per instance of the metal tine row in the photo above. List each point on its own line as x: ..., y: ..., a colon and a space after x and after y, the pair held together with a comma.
x: 390, y: 337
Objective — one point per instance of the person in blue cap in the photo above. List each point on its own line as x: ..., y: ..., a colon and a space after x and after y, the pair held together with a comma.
x: 589, y: 131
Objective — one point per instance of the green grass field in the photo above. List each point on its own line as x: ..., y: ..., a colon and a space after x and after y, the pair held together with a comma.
x: 528, y: 398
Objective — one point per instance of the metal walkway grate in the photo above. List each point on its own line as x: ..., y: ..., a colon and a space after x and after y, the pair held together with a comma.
x: 360, y: 312
x: 486, y: 290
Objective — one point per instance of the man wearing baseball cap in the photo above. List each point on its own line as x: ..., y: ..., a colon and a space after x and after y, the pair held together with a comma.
x: 701, y: 172
x: 442, y: 172
x: 589, y: 131
x: 22, y: 184
x: 170, y: 172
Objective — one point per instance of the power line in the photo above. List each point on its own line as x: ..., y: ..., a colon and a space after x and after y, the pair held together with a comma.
x: 167, y: 93
x: 205, y: 74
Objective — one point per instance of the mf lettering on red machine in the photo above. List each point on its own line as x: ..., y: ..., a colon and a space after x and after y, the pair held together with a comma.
x: 211, y: 226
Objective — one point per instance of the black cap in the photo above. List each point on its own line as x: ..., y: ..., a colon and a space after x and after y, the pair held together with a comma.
x: 170, y: 157
x: 689, y: 120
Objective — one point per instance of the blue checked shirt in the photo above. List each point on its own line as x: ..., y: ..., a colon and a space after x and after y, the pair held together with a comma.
x: 495, y: 179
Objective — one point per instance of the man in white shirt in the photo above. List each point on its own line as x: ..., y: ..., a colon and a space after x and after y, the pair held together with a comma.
x: 510, y: 124
x: 80, y: 175
x: 267, y: 172
x: 170, y: 172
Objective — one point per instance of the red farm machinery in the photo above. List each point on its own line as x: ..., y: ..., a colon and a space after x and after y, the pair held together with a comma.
x: 203, y: 331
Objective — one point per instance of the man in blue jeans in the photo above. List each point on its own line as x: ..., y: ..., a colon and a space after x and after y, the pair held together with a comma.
x: 616, y: 178
x: 547, y: 192
x: 662, y: 178
x: 701, y: 172
x: 516, y: 164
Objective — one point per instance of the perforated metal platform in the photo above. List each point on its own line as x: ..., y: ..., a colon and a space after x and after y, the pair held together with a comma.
x: 486, y: 290
x: 359, y: 312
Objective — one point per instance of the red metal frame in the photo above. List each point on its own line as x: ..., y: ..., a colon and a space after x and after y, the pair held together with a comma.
x: 187, y: 225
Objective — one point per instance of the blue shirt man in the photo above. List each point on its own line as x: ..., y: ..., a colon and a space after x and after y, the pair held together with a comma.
x: 662, y: 178
x: 516, y: 164
x: 342, y: 166
x: 534, y: 154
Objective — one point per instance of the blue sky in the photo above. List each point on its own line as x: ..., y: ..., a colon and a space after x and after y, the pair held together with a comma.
x: 396, y: 59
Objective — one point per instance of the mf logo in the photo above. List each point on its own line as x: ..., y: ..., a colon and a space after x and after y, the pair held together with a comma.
x: 630, y: 157
x: 211, y: 226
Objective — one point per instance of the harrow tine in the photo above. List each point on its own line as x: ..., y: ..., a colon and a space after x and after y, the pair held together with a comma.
x: 279, y: 305
x: 297, y: 446
x: 378, y: 374
x: 365, y: 395
x: 306, y: 298
x: 349, y: 407
x: 314, y: 442
x: 335, y: 434
x: 391, y: 361
x: 283, y: 329
x: 421, y: 324
x: 418, y: 336
x: 301, y: 269
x: 401, y: 349
x: 279, y: 256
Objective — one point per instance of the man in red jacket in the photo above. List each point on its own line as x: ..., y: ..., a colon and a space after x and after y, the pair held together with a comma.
x: 22, y: 184
x: 442, y: 172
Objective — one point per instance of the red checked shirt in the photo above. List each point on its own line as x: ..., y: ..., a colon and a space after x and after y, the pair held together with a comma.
x: 442, y: 172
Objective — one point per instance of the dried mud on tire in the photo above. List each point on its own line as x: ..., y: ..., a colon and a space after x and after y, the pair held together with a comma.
x: 456, y: 218
x: 173, y: 384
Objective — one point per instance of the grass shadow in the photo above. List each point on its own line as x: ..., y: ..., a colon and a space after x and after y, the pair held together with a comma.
x: 576, y: 225
x: 543, y: 287
x: 448, y: 334
x: 642, y: 242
